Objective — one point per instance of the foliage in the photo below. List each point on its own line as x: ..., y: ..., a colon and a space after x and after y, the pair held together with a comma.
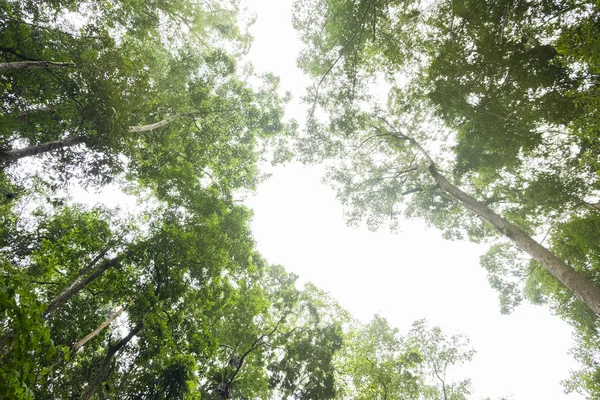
x: 500, y: 95
x: 130, y: 72
x: 440, y: 354
x: 149, y: 93
x: 378, y: 363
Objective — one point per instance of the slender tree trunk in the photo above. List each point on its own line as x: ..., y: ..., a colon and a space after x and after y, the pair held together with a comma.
x: 96, y: 331
x: 104, y: 370
x: 79, y: 283
x: 15, y: 65
x: 585, y: 290
x: 16, y: 154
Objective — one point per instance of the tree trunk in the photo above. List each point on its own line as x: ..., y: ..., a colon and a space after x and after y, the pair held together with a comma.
x: 96, y: 331
x: 585, y: 290
x: 79, y: 283
x: 15, y: 65
x: 104, y: 370
x: 16, y: 154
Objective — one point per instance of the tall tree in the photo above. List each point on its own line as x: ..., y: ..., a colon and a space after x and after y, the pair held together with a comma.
x: 377, y: 363
x: 441, y: 354
x: 179, y: 255
x: 282, y: 342
x: 501, y: 95
x: 163, y: 113
x: 390, y: 148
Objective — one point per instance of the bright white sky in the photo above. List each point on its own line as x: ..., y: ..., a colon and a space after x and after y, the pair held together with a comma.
x: 415, y: 274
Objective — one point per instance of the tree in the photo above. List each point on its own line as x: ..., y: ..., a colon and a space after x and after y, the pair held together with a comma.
x: 377, y: 363
x: 280, y: 341
x: 385, y: 166
x: 440, y: 354
x: 148, y: 93
x: 200, y: 311
x: 173, y: 117
x: 151, y: 274
x: 501, y: 96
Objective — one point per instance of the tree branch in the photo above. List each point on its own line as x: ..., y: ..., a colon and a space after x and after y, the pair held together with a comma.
x: 18, y: 65
x: 76, y: 346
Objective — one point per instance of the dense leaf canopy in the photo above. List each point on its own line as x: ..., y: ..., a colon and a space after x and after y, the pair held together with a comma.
x: 490, y: 117
x: 480, y: 117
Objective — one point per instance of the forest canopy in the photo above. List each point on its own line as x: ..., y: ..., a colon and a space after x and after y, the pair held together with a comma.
x: 488, y: 131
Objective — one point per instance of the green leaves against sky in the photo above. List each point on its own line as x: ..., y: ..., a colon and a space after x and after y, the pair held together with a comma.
x: 488, y: 131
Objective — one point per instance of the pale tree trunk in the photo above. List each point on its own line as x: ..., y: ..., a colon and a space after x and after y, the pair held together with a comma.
x: 96, y: 331
x: 84, y: 278
x: 16, y: 65
x: 17, y: 154
x: 104, y: 370
x: 13, y: 155
x: 593, y: 206
x: 585, y: 290
x: 81, y: 281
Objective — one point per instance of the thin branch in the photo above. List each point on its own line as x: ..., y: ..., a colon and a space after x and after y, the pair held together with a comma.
x: 44, y: 282
x: 255, y: 345
x: 76, y: 346
x: 373, y: 137
x: 339, y: 57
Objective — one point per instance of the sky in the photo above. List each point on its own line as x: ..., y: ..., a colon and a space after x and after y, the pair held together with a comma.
x: 403, y: 276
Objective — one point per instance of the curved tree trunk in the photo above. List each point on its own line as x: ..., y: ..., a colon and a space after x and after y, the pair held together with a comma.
x: 16, y: 154
x: 104, y: 370
x: 585, y: 290
x: 16, y: 65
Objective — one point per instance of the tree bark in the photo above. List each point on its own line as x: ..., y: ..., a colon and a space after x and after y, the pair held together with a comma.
x: 96, y: 331
x: 16, y: 65
x: 16, y: 154
x: 104, y: 370
x: 79, y: 283
x: 585, y: 290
